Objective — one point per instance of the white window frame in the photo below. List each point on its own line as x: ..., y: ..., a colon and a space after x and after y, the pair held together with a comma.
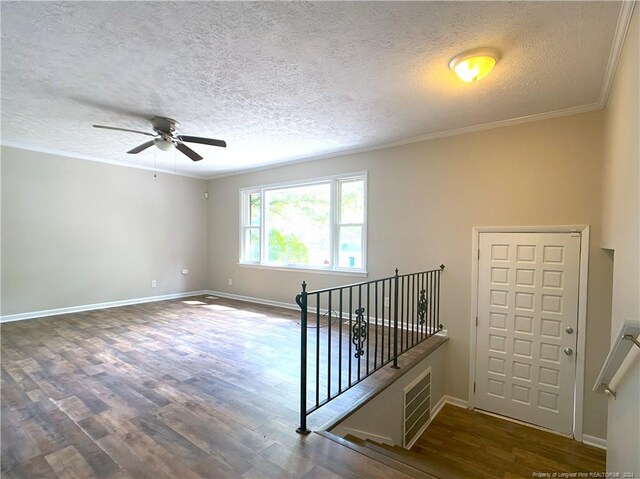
x: 335, y: 183
x: 245, y: 223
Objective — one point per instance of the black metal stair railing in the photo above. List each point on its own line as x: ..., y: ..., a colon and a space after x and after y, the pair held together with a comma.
x: 351, y: 331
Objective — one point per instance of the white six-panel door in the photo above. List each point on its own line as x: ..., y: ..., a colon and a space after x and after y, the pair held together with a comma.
x: 527, y: 326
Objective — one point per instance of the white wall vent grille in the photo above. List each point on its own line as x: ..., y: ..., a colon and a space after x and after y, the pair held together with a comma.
x: 417, y: 408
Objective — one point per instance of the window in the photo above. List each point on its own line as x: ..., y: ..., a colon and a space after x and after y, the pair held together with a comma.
x: 319, y: 224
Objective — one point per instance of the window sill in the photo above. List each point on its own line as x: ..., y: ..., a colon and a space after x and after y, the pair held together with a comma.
x: 359, y: 274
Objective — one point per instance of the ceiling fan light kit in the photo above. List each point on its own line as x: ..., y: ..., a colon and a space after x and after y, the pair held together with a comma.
x: 165, y: 138
x: 163, y: 144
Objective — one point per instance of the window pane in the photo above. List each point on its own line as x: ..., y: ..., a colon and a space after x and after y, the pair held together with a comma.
x: 350, y: 249
x: 254, y: 209
x: 297, y: 225
x: 352, y: 201
x: 252, y: 244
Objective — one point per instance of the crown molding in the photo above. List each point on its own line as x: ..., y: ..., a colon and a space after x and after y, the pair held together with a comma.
x: 49, y: 151
x: 429, y: 136
x: 624, y: 19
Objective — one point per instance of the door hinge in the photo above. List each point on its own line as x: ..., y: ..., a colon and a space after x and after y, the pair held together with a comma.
x: 476, y: 321
x: 474, y: 387
x: 478, y: 253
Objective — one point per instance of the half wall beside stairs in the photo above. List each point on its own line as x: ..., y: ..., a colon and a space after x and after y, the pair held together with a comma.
x: 381, y: 419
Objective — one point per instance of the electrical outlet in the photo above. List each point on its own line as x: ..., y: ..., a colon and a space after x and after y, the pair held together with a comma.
x: 386, y: 301
x: 185, y: 271
x: 230, y: 282
x: 154, y: 283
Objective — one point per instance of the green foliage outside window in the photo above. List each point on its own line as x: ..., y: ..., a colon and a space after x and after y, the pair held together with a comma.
x: 287, y: 247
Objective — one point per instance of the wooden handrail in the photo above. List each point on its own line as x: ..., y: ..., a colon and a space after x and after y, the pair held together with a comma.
x: 625, y: 339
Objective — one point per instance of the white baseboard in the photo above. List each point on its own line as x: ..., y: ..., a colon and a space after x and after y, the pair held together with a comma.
x: 594, y: 441
x: 89, y: 307
x: 251, y: 299
x: 438, y: 407
x: 456, y: 401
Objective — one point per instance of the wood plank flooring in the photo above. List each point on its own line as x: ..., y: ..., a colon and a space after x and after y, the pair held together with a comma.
x: 195, y: 388
x: 476, y: 445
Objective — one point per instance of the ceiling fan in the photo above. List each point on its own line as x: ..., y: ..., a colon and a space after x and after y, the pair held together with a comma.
x: 165, y: 138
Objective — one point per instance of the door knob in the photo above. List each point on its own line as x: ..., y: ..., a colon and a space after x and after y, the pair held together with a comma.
x: 569, y: 330
x: 568, y: 351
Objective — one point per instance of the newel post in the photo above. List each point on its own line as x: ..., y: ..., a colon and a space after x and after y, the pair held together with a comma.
x: 301, y: 299
x: 395, y: 322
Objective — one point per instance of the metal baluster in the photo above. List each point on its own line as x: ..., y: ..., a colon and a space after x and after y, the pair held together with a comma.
x: 359, y: 308
x: 432, y: 303
x: 301, y: 299
x: 406, y: 318
x: 340, y: 345
x: 395, y: 323
x: 402, y: 335
x: 429, y: 318
x: 417, y: 298
x: 368, y: 323
x: 350, y: 326
x: 438, y: 296
x: 424, y: 325
x: 413, y: 310
x: 409, y: 317
x: 317, y: 349
x: 329, y: 359
x: 407, y: 327
x: 420, y: 288
x: 375, y: 347
x: 383, y: 308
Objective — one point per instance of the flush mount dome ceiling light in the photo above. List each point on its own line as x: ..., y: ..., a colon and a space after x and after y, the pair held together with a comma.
x: 475, y: 64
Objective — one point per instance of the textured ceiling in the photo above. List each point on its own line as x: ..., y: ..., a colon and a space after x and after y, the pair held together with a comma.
x: 281, y: 81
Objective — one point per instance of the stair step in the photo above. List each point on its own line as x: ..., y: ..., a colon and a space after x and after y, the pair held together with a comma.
x: 355, y: 439
x: 418, y: 462
x: 398, y: 449
x: 359, y: 445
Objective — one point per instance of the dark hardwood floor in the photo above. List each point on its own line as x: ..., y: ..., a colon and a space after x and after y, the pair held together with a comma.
x: 194, y: 388
x: 472, y: 444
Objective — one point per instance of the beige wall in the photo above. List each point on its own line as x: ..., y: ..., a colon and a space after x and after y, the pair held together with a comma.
x: 621, y: 226
x: 424, y: 199
x: 77, y: 232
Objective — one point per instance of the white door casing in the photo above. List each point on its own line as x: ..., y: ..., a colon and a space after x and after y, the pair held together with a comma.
x: 527, y: 323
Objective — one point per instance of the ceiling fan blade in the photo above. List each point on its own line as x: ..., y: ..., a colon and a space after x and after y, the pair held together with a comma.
x: 188, y: 151
x: 123, y: 129
x: 142, y: 147
x: 204, y: 141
